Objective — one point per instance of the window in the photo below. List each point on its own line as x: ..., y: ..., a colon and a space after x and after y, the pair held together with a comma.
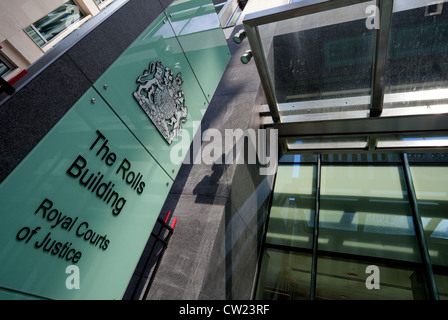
x: 364, y: 206
x: 219, y: 6
x: 4, y: 68
x: 49, y: 26
x: 432, y: 195
x: 103, y: 3
x: 291, y: 221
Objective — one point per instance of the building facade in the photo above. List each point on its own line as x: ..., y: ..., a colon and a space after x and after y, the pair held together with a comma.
x: 146, y: 148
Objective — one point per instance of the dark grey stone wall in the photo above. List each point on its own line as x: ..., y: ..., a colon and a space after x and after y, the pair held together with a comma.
x: 28, y: 115
x: 221, y: 208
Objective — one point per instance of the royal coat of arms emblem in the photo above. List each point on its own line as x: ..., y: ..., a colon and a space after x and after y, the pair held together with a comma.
x: 160, y: 96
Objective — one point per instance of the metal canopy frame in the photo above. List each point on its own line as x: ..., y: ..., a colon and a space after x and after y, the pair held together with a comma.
x: 373, y: 123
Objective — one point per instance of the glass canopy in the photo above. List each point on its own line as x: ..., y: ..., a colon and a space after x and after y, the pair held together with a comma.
x: 354, y: 74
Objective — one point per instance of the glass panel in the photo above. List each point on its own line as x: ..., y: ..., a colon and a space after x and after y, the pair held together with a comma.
x: 285, y: 275
x: 55, y: 22
x: 159, y: 43
x: 219, y: 6
x: 430, y: 183
x: 297, y: 158
x: 70, y: 173
x: 234, y: 18
x: 442, y: 285
x: 4, y: 68
x: 361, y: 157
x: 321, y: 56
x: 413, y: 141
x: 365, y: 211
x: 417, y: 63
x: 427, y: 157
x: 35, y: 36
x: 345, y: 143
x: 100, y: 2
x: 291, y: 221
x: 198, y: 29
x: 347, y: 279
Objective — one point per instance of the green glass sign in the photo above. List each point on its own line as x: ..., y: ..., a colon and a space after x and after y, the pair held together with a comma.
x: 88, y: 195
x: 177, y: 85
x: 198, y: 30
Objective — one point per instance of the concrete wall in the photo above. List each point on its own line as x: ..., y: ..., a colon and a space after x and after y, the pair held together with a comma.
x: 221, y: 208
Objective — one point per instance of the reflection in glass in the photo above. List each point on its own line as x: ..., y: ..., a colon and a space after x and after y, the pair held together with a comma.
x: 307, y: 144
x: 430, y: 183
x: 413, y: 141
x: 442, y: 284
x: 49, y: 26
x: 189, y: 17
x: 234, y: 17
x: 427, y: 157
x: 4, y: 68
x: 297, y: 158
x: 417, y: 57
x: 320, y: 56
x: 365, y: 219
x: 364, y: 210
x: 285, y: 275
x: 291, y: 221
x: 345, y: 279
x: 360, y: 157
x: 100, y: 2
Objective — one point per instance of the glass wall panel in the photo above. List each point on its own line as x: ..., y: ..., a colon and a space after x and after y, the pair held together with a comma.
x: 364, y: 210
x: 442, y: 285
x: 297, y: 158
x: 365, y: 219
x: 285, y: 275
x: 431, y: 187
x: 417, y: 66
x: 291, y: 221
x: 35, y: 36
x: 347, y: 279
x: 100, y: 2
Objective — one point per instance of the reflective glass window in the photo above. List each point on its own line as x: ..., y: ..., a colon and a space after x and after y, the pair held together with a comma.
x: 320, y: 56
x: 291, y: 221
x: 417, y: 66
x: 431, y: 188
x: 340, y: 278
x: 364, y: 210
